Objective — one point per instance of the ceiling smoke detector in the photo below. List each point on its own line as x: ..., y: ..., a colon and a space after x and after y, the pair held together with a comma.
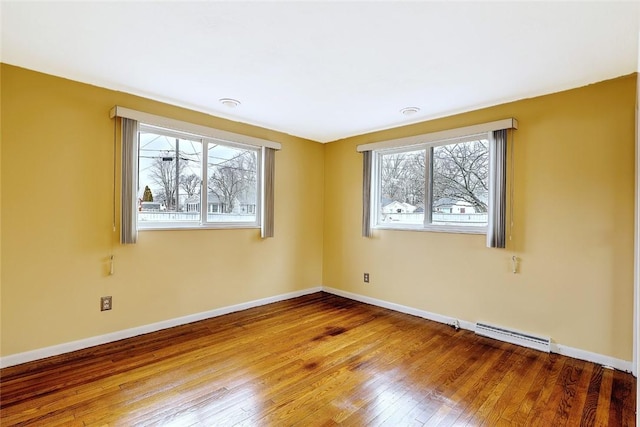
x: 408, y: 111
x: 229, y: 102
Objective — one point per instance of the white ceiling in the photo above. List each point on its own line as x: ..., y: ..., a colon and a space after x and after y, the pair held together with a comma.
x: 326, y: 70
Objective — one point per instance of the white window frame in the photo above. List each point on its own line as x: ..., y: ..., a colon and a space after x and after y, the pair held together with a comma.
x: 130, y: 156
x: 426, y: 225
x: 203, y: 223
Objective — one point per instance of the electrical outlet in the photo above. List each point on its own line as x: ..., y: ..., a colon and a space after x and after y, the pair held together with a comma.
x: 105, y: 303
x: 366, y: 277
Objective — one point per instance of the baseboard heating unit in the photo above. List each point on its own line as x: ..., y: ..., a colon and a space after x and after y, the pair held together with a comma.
x: 514, y: 337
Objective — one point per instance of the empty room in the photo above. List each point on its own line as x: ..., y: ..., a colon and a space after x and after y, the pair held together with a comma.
x: 319, y: 213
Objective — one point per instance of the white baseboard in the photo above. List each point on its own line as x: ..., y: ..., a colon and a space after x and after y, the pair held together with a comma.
x: 576, y: 353
x: 402, y: 308
x: 29, y: 356
x: 601, y: 359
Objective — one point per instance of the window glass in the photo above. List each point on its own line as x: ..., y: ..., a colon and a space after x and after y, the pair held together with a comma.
x: 402, y: 187
x: 434, y: 185
x: 232, y: 176
x: 172, y: 192
x: 170, y: 170
x: 460, y: 183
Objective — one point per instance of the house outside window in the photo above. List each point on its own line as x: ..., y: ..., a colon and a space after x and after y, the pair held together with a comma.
x: 440, y: 186
x: 196, y: 181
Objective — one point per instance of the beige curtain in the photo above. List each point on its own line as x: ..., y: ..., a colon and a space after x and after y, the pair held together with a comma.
x: 367, y: 161
x: 129, y: 217
x: 269, y: 155
x: 496, y: 228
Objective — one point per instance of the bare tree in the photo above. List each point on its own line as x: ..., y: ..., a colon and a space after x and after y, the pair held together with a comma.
x: 414, y: 185
x: 402, y: 177
x: 233, y: 179
x: 392, y: 173
x: 190, y: 184
x: 460, y: 172
x: 163, y: 173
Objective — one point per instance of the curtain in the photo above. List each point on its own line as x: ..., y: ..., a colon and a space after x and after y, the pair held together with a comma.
x: 496, y: 229
x: 269, y: 155
x: 367, y: 161
x: 129, y: 217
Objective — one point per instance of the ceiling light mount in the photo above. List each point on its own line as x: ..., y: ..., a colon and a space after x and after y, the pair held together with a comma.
x: 408, y: 111
x: 229, y: 102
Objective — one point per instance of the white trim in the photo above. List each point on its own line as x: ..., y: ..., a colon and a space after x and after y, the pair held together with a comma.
x: 509, y: 123
x: 608, y: 361
x: 454, y: 229
x: 600, y: 359
x: 401, y: 308
x: 195, y: 225
x: 29, y: 356
x: 192, y: 128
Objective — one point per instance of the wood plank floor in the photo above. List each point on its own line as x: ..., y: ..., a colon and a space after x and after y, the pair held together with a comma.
x: 315, y: 360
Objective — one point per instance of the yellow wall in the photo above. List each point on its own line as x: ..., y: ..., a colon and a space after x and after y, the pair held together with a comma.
x: 573, y: 227
x: 57, y: 180
x: 574, y: 193
x: 0, y: 207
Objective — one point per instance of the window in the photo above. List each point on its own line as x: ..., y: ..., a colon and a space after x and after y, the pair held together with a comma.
x: 437, y: 186
x: 186, y: 180
x: 177, y: 174
x: 427, y: 178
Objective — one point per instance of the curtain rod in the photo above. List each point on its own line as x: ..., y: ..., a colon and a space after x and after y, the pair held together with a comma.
x: 509, y: 123
x: 179, y: 125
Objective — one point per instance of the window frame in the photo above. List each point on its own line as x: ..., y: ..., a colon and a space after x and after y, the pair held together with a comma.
x: 427, y: 225
x: 206, y: 142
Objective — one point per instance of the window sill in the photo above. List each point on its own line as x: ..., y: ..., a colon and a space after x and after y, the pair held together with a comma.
x: 434, y: 228
x: 192, y: 226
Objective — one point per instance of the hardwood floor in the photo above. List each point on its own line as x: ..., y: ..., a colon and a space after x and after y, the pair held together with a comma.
x: 314, y: 360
